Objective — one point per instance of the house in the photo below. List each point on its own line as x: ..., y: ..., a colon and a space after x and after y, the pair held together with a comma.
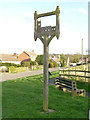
x: 27, y: 56
x: 84, y: 60
x: 8, y: 58
x: 55, y: 57
x: 15, y: 55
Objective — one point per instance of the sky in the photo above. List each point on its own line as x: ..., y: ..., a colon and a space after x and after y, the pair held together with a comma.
x: 17, y: 26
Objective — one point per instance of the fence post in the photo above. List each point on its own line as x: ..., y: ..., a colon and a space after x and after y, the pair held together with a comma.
x: 68, y: 72
x: 85, y: 72
x: 75, y: 73
x: 59, y: 72
x: 85, y: 75
x: 63, y: 71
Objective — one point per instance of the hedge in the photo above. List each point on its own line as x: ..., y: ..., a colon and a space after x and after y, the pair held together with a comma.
x: 13, y: 69
x: 10, y: 64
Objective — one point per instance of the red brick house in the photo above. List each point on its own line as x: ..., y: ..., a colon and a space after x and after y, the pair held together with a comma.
x: 27, y: 56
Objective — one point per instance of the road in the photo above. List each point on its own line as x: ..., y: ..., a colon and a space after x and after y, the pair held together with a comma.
x: 9, y: 76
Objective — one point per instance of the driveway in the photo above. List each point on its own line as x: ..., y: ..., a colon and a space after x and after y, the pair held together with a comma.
x: 9, y: 76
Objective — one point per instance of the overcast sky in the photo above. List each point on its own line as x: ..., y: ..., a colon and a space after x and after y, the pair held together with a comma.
x: 17, y: 25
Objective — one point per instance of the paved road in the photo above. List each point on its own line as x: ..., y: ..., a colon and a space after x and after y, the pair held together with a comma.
x: 10, y: 76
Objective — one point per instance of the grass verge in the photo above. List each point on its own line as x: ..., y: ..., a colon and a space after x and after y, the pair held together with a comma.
x: 23, y: 98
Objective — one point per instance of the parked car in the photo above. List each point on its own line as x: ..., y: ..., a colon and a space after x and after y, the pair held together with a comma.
x: 70, y: 65
x: 78, y: 63
x: 3, y: 69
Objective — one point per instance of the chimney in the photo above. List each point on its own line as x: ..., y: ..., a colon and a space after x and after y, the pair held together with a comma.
x: 15, y: 54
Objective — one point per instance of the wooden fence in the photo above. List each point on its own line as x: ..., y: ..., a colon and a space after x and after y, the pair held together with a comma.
x: 76, y: 74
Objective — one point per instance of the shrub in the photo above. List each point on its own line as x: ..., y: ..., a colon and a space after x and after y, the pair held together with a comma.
x: 9, y: 64
x: 7, y: 69
x: 51, y: 65
x: 25, y: 64
x: 11, y: 69
x: 32, y: 63
x: 63, y: 64
x: 39, y: 59
x: 56, y: 64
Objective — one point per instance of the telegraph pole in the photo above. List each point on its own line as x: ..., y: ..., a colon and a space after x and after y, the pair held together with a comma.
x: 46, y: 34
x: 82, y: 51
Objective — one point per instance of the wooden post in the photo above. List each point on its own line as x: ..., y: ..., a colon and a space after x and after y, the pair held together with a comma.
x: 85, y: 72
x: 85, y: 75
x: 68, y: 73
x: 46, y: 75
x: 82, y: 56
x: 46, y: 34
x: 63, y: 71
x: 75, y: 73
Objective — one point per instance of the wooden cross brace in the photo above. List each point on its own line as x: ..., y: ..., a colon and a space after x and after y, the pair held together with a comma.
x: 48, y: 30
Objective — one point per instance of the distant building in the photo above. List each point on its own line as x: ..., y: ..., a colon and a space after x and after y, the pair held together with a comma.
x: 55, y: 57
x: 84, y: 60
x: 8, y: 58
x: 15, y: 55
x: 27, y: 56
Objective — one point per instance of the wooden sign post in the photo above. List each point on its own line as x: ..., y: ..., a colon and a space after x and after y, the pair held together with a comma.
x: 46, y: 34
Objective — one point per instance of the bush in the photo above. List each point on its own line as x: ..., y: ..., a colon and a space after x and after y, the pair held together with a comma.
x: 25, y: 64
x: 51, y: 65
x: 11, y: 69
x: 63, y: 64
x: 56, y: 64
x: 32, y: 63
x: 39, y: 59
x: 9, y: 64
x: 7, y: 69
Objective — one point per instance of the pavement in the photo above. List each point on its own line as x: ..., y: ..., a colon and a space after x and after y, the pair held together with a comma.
x: 9, y: 76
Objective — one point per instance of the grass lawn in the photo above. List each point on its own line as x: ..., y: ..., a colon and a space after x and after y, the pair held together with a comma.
x: 23, y: 98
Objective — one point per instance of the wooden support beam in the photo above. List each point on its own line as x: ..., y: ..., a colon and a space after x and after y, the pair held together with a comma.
x: 46, y: 14
x: 46, y: 75
x: 49, y: 40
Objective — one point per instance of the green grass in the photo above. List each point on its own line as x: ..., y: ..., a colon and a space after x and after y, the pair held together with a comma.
x: 23, y: 98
